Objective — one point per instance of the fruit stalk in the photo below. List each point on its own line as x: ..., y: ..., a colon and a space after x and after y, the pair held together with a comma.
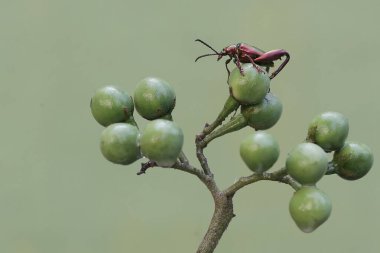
x: 230, y: 106
x: 235, y: 124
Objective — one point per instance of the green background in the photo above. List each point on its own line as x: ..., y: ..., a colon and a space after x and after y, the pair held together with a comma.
x: 58, y: 194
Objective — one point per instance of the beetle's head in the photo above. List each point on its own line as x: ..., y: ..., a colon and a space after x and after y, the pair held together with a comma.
x: 222, y: 53
x: 230, y: 50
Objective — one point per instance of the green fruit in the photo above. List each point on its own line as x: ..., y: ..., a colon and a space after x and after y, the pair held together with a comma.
x: 162, y: 142
x: 309, y: 208
x: 353, y: 161
x: 119, y: 143
x: 329, y: 130
x: 264, y: 115
x: 307, y: 163
x: 110, y: 105
x: 154, y: 98
x: 259, y: 151
x: 251, y: 88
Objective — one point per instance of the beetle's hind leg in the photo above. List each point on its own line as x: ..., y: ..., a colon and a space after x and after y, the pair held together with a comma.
x: 272, y: 56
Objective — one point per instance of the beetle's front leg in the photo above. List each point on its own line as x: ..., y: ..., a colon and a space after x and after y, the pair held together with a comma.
x: 274, y: 55
x: 228, y: 71
x: 237, y: 62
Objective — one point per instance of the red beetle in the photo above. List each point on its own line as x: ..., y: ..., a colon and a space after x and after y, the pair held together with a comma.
x: 243, y: 53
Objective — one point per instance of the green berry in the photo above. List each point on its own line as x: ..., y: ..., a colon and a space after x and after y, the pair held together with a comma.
x: 307, y: 163
x: 110, y: 105
x: 162, y: 142
x: 329, y: 130
x: 264, y: 115
x: 309, y: 208
x: 251, y: 88
x: 259, y: 151
x: 119, y: 143
x: 154, y: 98
x: 353, y: 161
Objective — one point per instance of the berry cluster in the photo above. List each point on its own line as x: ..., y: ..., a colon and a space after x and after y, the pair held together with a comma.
x: 121, y: 141
x: 308, y: 162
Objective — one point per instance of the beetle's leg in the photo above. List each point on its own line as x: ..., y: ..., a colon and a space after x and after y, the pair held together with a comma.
x: 281, y: 66
x: 254, y: 64
x: 237, y: 62
x: 228, y: 71
x: 273, y: 56
x: 267, y: 70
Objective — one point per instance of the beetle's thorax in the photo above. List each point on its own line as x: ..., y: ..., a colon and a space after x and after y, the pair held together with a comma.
x: 232, y: 49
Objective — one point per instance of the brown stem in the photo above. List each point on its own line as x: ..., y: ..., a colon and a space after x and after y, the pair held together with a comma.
x: 280, y: 175
x: 223, y: 212
x: 203, y: 160
x: 223, y: 215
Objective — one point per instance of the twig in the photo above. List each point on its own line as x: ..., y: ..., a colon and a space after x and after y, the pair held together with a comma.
x: 202, y: 158
x: 189, y: 169
x: 279, y: 176
x: 145, y: 166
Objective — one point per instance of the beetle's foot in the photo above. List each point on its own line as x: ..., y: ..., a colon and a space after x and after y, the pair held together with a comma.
x: 273, y: 75
x: 260, y: 70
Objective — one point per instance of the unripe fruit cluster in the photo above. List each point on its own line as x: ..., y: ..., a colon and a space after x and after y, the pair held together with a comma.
x: 259, y: 108
x: 121, y: 141
x: 351, y: 160
x: 307, y: 164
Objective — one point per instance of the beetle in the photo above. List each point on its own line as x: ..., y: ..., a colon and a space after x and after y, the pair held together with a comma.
x: 244, y: 53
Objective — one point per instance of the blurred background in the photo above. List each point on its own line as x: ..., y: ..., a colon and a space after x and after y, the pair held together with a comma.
x: 58, y: 194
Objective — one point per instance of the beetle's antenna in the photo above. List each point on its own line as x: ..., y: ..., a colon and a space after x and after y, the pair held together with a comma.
x: 204, y: 56
x: 207, y: 45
